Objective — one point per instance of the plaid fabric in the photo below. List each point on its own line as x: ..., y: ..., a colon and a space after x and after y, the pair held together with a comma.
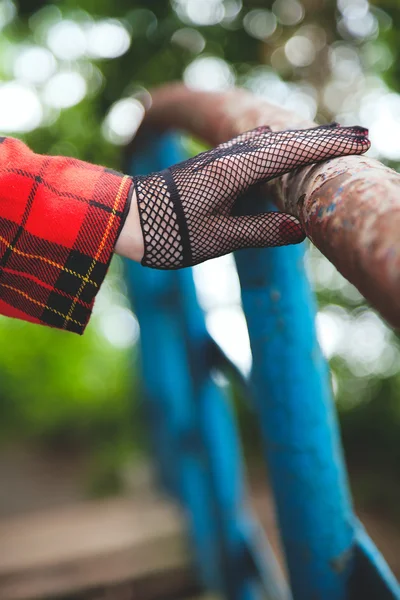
x: 59, y: 221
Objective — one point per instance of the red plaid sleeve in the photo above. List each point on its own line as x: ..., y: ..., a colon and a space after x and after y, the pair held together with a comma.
x: 59, y: 221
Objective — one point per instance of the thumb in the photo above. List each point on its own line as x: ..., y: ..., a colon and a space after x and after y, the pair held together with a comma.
x: 266, y: 229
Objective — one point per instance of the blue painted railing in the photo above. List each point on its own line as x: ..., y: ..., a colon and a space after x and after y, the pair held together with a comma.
x: 195, y: 439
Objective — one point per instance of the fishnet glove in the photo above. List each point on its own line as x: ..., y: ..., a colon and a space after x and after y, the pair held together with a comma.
x: 186, y: 210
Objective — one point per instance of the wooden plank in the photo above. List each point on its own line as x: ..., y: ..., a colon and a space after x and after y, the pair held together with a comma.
x: 89, y: 545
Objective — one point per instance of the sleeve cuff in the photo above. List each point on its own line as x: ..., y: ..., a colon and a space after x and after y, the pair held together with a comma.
x: 60, y: 219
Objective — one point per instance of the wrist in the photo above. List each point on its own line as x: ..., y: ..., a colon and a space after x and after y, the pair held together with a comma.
x: 130, y: 242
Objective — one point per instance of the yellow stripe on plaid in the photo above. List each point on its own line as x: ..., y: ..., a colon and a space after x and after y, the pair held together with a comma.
x: 101, y: 247
x: 47, y: 260
x: 66, y: 317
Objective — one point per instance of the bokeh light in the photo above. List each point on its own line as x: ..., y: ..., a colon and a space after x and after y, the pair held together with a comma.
x: 123, y: 121
x: 209, y: 73
x: 300, y: 51
x: 289, y: 12
x: 107, y: 39
x: 260, y: 23
x: 206, y: 12
x: 20, y: 108
x: 65, y: 89
x: 67, y: 40
x: 34, y: 64
x: 119, y: 326
x: 189, y: 39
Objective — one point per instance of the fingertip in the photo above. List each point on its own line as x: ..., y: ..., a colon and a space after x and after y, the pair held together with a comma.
x: 362, y: 138
x: 359, y: 129
x: 290, y: 230
x: 363, y: 141
x: 263, y: 129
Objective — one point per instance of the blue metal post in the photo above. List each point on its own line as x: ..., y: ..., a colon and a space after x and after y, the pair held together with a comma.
x: 247, y: 561
x: 299, y: 426
x: 194, y: 432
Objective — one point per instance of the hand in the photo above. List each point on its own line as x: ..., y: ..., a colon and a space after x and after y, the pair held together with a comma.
x: 183, y: 215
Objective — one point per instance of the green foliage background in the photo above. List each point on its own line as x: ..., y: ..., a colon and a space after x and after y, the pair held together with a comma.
x: 59, y: 388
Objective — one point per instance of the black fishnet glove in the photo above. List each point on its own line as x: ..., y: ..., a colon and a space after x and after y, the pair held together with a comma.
x: 186, y: 210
